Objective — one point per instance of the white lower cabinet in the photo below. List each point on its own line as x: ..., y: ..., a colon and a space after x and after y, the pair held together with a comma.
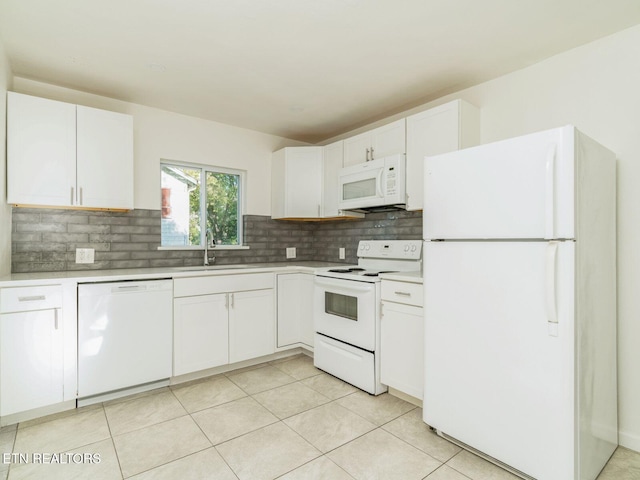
x: 251, y: 324
x: 295, y: 309
x: 31, y: 348
x: 200, y: 333
x: 222, y: 319
x: 402, y: 337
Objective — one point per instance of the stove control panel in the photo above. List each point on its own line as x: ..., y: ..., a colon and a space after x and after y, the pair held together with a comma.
x: 396, y: 249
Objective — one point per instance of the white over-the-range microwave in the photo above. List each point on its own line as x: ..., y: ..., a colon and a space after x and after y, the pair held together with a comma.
x: 377, y: 185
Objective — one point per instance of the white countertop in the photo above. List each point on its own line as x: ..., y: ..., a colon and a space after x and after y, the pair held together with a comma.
x: 88, y: 276
x: 411, y: 277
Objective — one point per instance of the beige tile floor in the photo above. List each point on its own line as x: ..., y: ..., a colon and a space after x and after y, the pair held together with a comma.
x: 283, y: 419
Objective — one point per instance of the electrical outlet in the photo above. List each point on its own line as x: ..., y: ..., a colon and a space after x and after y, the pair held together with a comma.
x: 291, y: 252
x: 85, y: 255
x: 341, y: 255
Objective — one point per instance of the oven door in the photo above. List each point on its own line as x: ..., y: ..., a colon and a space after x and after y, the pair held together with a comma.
x: 346, y: 310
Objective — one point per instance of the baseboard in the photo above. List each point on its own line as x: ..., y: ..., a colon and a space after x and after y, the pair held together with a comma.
x: 37, y: 413
x: 629, y: 440
x: 125, y: 392
x: 406, y: 397
x: 189, y: 377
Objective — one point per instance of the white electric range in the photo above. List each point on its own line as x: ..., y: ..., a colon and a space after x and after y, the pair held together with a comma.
x: 347, y: 311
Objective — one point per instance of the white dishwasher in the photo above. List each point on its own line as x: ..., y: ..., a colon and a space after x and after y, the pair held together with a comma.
x: 124, y: 334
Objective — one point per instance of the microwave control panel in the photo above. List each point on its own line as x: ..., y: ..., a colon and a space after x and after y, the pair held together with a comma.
x: 391, y: 183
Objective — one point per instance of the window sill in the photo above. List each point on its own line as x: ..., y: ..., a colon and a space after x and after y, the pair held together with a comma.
x: 211, y: 249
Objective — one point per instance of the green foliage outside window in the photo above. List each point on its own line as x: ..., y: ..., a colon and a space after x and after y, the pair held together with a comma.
x: 220, y: 197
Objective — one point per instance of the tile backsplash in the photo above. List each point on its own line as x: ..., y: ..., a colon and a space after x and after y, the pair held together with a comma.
x: 45, y: 240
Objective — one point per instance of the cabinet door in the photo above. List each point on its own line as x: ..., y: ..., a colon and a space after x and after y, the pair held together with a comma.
x: 333, y: 158
x: 439, y: 130
x: 251, y: 324
x: 31, y: 360
x: 200, y: 333
x: 357, y: 149
x: 307, y: 331
x: 41, y: 151
x: 105, y: 158
x: 428, y: 133
x: 388, y: 139
x: 295, y: 309
x: 303, y: 188
x: 402, y: 348
x: 296, y: 182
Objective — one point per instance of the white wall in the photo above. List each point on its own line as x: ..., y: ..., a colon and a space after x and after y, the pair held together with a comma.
x: 597, y: 88
x: 5, y: 210
x: 159, y: 134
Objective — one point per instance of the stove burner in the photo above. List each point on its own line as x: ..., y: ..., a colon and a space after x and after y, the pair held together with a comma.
x: 347, y: 270
x: 375, y: 274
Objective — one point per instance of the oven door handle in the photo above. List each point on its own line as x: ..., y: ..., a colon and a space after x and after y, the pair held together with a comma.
x: 351, y: 285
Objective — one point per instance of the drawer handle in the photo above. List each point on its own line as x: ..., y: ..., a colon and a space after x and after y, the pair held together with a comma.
x: 403, y: 294
x: 32, y: 298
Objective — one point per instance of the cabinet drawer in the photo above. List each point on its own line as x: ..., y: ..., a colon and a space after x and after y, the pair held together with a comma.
x: 23, y: 299
x: 186, y: 287
x: 402, y: 292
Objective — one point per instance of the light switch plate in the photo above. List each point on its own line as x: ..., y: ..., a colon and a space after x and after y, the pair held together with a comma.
x: 85, y: 255
x: 341, y: 255
x: 291, y: 252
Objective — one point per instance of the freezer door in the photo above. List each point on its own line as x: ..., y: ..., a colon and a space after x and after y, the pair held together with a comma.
x: 498, y: 376
x: 517, y: 188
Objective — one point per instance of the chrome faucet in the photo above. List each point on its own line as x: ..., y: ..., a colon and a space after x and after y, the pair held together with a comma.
x: 206, y: 248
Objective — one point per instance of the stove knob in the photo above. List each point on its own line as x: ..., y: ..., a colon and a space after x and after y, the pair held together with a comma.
x: 367, y: 246
x: 362, y: 246
x: 413, y: 248
x: 406, y: 248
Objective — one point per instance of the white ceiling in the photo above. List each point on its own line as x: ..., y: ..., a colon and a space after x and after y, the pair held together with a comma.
x: 302, y: 69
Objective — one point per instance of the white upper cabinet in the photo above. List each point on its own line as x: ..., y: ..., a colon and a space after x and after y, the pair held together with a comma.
x: 443, y: 129
x: 41, y: 151
x: 333, y: 162
x: 333, y: 158
x: 377, y: 143
x: 63, y: 155
x: 296, y: 183
x: 104, y: 158
x: 304, y: 183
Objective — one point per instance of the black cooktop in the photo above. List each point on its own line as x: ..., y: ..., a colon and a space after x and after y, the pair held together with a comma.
x: 347, y: 270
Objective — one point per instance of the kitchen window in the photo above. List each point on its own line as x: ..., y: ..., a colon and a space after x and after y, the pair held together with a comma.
x: 201, y: 204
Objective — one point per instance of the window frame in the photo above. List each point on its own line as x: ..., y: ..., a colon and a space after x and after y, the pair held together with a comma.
x: 204, y: 168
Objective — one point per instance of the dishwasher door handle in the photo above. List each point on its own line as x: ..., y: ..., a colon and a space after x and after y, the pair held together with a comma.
x: 128, y: 288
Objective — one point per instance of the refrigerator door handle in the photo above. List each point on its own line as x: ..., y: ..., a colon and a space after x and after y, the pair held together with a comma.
x: 551, y: 301
x: 550, y: 193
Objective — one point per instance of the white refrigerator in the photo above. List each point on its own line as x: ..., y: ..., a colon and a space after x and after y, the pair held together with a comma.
x: 520, y: 302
